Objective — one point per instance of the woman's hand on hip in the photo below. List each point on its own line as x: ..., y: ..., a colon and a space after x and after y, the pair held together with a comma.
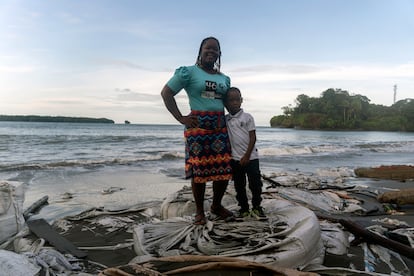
x: 189, y: 121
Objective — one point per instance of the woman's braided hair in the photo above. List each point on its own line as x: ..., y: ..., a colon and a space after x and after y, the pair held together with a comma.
x: 217, y: 63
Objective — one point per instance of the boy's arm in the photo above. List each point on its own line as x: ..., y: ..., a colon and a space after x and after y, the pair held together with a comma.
x: 252, y: 141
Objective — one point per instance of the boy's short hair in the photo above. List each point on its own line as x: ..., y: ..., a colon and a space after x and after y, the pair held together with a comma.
x: 231, y: 88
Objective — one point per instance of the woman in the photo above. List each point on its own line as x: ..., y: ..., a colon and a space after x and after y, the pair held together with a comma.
x: 207, y: 144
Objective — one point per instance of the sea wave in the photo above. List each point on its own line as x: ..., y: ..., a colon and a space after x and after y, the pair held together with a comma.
x: 90, y: 163
x: 335, y: 149
x: 169, y: 156
x: 404, y: 146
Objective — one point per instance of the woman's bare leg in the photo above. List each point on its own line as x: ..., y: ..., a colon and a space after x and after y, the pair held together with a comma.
x: 199, y: 190
x: 219, y: 188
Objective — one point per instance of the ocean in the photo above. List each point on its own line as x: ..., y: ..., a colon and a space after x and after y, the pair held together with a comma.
x: 76, y: 164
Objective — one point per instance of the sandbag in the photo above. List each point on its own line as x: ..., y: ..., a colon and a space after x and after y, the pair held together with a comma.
x: 290, y: 237
x: 402, y: 197
x: 11, y: 209
x: 394, y: 172
x: 13, y: 264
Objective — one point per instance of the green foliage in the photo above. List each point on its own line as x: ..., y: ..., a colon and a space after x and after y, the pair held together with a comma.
x: 337, y: 109
x: 282, y: 121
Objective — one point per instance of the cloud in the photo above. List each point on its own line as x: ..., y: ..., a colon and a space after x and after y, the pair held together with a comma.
x: 267, y: 88
x: 126, y: 95
x: 122, y: 63
x: 62, y: 101
x: 17, y: 69
x: 286, y: 69
x: 70, y: 18
x: 282, y: 73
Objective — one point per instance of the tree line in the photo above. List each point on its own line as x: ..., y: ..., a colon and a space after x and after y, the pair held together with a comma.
x: 336, y: 109
x: 55, y: 119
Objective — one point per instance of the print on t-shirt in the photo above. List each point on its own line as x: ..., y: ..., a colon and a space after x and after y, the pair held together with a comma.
x: 210, y: 90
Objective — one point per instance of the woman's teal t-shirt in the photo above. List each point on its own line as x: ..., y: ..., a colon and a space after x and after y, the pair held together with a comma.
x: 205, y: 91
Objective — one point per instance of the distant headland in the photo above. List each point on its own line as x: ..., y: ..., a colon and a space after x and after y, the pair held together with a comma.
x: 54, y: 119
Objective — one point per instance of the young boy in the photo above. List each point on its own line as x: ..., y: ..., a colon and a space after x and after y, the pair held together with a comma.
x: 245, y: 158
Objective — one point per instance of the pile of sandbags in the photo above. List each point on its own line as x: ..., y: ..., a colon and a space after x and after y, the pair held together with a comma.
x: 401, y: 197
x: 394, y: 172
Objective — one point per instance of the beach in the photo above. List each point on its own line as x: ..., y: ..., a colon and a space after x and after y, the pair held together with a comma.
x: 162, y: 184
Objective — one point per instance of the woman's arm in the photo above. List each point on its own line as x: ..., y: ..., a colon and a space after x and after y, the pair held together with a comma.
x: 168, y: 96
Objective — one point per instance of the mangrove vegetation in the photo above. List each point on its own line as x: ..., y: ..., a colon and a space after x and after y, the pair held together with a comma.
x: 336, y: 109
x: 54, y: 119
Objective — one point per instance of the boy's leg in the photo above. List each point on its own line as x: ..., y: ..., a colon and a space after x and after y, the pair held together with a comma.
x: 255, y: 182
x: 239, y: 177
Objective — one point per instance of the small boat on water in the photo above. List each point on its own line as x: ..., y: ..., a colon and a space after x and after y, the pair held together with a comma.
x: 127, y: 122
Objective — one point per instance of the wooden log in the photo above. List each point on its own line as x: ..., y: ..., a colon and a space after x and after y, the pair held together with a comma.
x: 43, y: 229
x: 35, y: 207
x: 273, y: 182
x: 371, y: 237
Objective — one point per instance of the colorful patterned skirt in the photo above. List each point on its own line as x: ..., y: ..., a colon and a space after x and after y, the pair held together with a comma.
x: 207, y: 148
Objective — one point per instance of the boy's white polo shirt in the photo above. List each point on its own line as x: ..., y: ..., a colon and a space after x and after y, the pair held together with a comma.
x: 238, y: 126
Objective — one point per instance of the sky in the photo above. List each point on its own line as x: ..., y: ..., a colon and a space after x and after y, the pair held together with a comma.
x: 110, y: 59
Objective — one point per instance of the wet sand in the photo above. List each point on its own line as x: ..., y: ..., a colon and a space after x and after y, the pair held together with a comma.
x: 117, y: 189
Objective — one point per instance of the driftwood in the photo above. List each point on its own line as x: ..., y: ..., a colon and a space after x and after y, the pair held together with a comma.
x: 35, y: 207
x: 363, y: 234
x: 203, y: 265
x: 402, y: 197
x: 42, y: 229
x: 273, y: 182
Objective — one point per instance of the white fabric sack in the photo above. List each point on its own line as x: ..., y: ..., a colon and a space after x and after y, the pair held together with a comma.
x: 290, y: 237
x: 11, y: 209
x: 13, y: 264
